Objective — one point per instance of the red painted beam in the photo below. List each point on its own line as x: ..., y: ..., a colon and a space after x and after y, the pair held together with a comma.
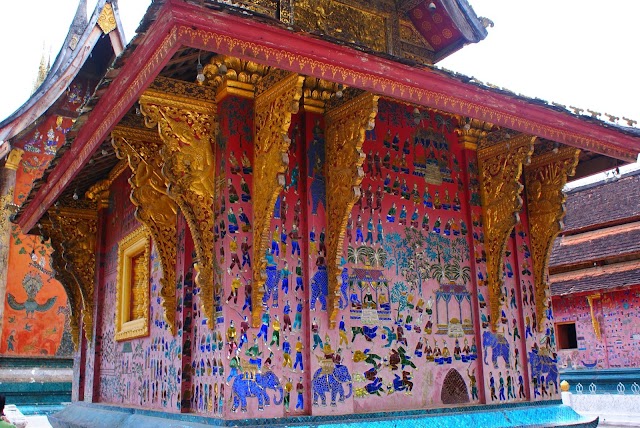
x: 149, y: 58
x: 233, y: 35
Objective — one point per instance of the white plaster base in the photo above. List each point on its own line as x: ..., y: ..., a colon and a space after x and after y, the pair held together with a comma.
x: 613, y: 409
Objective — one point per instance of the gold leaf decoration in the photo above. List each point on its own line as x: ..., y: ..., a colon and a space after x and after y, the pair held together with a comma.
x: 277, y: 98
x: 500, y: 168
x: 345, y: 129
x: 544, y: 179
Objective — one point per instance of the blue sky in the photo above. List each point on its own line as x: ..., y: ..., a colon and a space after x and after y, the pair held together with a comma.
x: 575, y: 52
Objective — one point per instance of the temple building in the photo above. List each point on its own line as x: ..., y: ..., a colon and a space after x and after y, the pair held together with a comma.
x: 277, y: 212
x: 595, y: 276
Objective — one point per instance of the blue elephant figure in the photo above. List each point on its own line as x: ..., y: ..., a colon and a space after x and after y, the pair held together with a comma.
x: 544, y: 364
x: 271, y: 286
x: 330, y: 380
x: 499, y: 348
x: 319, y: 288
x: 243, y: 388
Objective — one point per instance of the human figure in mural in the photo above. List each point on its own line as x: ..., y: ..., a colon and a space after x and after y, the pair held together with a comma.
x: 283, y: 209
x: 233, y: 193
x: 379, y: 231
x: 244, y: 248
x: 387, y: 183
x: 11, y: 341
x: 234, y: 166
x: 246, y: 191
x: 377, y: 163
x: 271, y: 284
x: 286, y: 319
x: 514, y: 329
x: 492, y: 386
x: 299, y: 362
x: 264, y: 327
x: 275, y: 239
x: 359, y: 226
x: 521, y: 393
x: 283, y: 241
x: 317, y: 189
x: 231, y: 339
x: 233, y: 221
x: 391, y: 214
x: 233, y: 249
x: 510, y: 393
x: 288, y: 386
x: 315, y: 329
x: 242, y: 216
x: 244, y: 327
x: 275, y: 332
x: 286, y: 353
x: 300, y: 392
x: 295, y: 238
x: 284, y: 275
x: 473, y: 383
x: 247, y: 296
x: 297, y: 323
x: 501, y: 387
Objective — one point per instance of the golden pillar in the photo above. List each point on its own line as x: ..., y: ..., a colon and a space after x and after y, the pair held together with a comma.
x: 500, y: 166
x: 346, y: 124
x: 7, y: 187
x: 544, y: 179
x: 277, y: 98
x: 187, y: 127
x: 154, y: 207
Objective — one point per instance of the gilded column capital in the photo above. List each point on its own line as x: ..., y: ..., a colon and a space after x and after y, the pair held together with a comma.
x: 187, y: 127
x: 154, y: 207
x: 500, y: 166
x: 346, y: 124
x: 471, y: 132
x: 13, y: 159
x: 73, y: 234
x: 233, y: 76
x: 317, y: 92
x: 545, y: 178
x: 277, y: 98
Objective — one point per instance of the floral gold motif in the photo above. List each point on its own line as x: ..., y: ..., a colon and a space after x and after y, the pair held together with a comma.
x: 500, y: 168
x: 345, y: 129
x: 544, y: 179
x: 278, y: 96
x: 187, y: 128
x: 154, y: 207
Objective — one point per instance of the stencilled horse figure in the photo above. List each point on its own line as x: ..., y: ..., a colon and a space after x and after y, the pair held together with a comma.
x: 499, y: 348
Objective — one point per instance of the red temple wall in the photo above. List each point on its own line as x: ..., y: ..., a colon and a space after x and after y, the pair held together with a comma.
x: 617, y: 312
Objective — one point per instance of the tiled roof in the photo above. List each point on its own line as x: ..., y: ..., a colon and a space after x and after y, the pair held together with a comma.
x: 604, y: 281
x: 569, y: 251
x: 604, y: 203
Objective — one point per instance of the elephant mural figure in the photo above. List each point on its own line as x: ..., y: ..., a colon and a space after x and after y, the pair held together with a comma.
x: 319, y: 288
x: 330, y: 380
x: 244, y: 388
x: 544, y: 364
x: 499, y: 348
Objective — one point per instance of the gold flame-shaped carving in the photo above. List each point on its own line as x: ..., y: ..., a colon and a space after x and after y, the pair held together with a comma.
x: 277, y: 98
x: 345, y: 129
x: 544, y: 179
x: 500, y: 168
x: 154, y: 207
x: 188, y: 127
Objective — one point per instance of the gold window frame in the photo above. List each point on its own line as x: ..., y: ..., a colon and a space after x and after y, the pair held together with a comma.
x: 137, y: 243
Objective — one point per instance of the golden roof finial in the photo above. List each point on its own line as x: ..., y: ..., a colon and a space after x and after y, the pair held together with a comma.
x: 43, y: 70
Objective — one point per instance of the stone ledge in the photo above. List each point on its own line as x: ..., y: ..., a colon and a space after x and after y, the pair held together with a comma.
x: 521, y: 414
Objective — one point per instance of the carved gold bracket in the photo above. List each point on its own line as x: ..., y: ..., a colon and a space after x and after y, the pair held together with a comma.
x: 73, y: 234
x: 154, y: 208
x: 187, y: 126
x: 277, y: 98
x: 316, y: 92
x: 594, y: 320
x: 233, y: 76
x: 500, y: 168
x: 345, y: 130
x: 544, y: 179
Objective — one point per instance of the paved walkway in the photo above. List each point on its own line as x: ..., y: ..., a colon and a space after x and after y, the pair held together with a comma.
x: 38, y: 422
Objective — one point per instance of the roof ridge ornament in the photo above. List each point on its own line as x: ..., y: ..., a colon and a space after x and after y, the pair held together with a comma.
x: 107, y: 19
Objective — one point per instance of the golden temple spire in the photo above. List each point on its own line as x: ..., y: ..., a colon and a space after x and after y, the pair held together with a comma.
x: 43, y: 70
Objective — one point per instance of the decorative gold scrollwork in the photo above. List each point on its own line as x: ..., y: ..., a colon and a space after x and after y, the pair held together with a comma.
x: 73, y: 234
x: 500, y: 170
x: 345, y: 129
x: 544, y: 179
x: 277, y: 98
x: 233, y: 76
x: 154, y: 208
x: 187, y: 128
x: 470, y: 131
